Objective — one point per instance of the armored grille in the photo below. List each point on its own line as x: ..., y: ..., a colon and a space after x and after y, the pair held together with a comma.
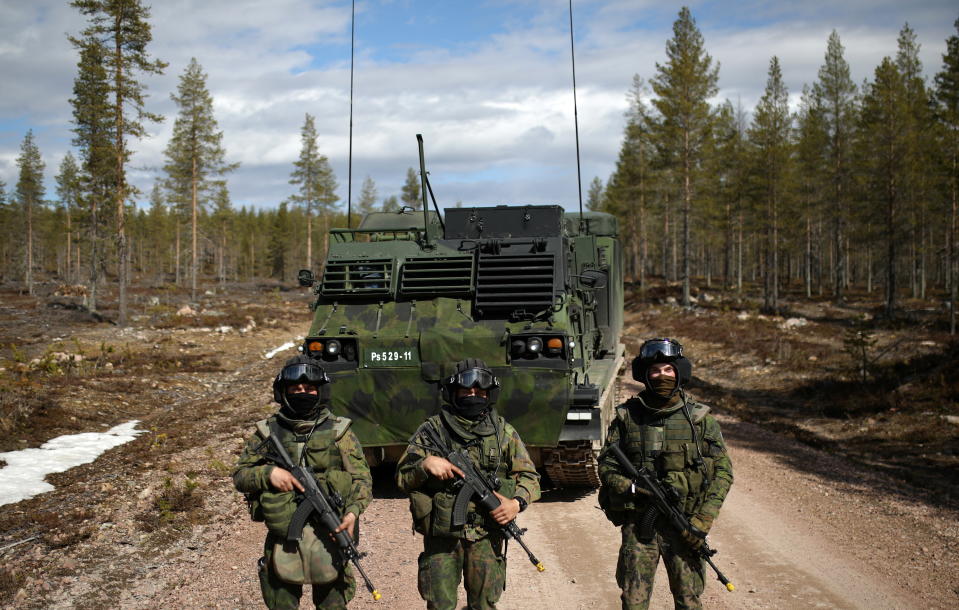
x: 371, y: 276
x: 437, y: 275
x: 515, y: 282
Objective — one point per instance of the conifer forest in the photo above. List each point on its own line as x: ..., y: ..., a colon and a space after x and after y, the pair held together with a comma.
x: 853, y: 189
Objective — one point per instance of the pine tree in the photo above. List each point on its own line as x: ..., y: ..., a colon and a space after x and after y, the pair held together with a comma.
x: 391, y: 204
x: 367, y: 201
x: 947, y: 96
x: 594, y: 196
x: 837, y: 92
x: 811, y: 143
x: 917, y: 154
x: 7, y: 232
x: 158, y: 236
x: 630, y: 184
x: 317, y: 182
x: 222, y: 220
x: 94, y: 137
x: 683, y: 86
x: 195, y: 154
x: 727, y: 168
x: 883, y: 125
x: 29, y: 196
x: 69, y: 191
x: 123, y: 26
x: 769, y: 137
x: 410, y: 194
x: 278, y: 242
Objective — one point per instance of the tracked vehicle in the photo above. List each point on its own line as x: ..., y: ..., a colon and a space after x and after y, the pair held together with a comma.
x: 534, y: 291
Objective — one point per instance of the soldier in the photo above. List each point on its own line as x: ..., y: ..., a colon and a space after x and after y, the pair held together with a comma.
x: 324, y: 443
x: 664, y: 430
x: 474, y: 550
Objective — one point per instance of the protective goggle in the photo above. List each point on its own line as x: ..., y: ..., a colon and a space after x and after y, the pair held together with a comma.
x: 655, y: 349
x: 474, y: 378
x: 303, y: 373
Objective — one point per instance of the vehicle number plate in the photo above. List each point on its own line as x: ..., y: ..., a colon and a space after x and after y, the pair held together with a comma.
x: 392, y: 357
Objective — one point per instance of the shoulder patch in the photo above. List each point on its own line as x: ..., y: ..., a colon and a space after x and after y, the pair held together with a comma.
x: 340, y: 426
x: 699, y: 412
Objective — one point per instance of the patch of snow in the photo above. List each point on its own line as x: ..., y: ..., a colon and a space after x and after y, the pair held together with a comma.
x: 742, y: 315
x: 793, y: 323
x: 284, y: 347
x: 23, y: 476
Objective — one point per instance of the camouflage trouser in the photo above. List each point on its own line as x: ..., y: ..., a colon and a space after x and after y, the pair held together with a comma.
x: 637, y: 567
x: 279, y: 595
x: 481, y: 563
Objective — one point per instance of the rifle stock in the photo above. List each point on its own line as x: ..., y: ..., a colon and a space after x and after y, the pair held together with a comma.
x: 661, y: 503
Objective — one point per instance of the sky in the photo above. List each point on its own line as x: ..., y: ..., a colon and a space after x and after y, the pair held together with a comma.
x: 487, y: 82
x: 23, y: 475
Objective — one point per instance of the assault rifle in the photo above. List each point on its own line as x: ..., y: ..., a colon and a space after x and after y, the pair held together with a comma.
x: 316, y: 500
x: 475, y: 483
x: 663, y: 499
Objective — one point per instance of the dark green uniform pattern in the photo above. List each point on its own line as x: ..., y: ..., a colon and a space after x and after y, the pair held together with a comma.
x: 474, y: 551
x: 336, y: 457
x: 660, y: 440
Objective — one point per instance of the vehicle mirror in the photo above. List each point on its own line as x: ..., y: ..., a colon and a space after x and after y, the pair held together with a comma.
x: 593, y: 279
x: 306, y: 278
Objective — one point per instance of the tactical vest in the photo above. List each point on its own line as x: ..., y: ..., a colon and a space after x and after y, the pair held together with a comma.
x: 324, y: 456
x: 432, y: 508
x: 664, y: 445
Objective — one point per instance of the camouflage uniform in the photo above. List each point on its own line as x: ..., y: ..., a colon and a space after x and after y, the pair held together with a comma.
x: 476, y: 549
x: 336, y: 457
x: 660, y: 440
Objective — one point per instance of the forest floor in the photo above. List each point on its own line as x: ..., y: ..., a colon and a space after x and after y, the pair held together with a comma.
x: 845, y: 494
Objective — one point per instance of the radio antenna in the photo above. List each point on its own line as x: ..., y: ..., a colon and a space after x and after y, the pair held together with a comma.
x: 349, y: 163
x: 579, y: 178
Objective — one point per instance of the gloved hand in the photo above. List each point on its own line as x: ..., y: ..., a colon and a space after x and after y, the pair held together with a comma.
x: 702, y: 523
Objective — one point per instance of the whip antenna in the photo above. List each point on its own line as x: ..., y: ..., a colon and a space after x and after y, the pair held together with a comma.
x: 579, y: 178
x: 349, y: 163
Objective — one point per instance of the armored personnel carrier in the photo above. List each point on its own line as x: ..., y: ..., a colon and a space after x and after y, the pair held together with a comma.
x: 534, y: 291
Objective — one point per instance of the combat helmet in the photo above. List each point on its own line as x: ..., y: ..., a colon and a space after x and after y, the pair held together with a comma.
x: 302, y: 369
x: 471, y: 373
x: 662, y: 350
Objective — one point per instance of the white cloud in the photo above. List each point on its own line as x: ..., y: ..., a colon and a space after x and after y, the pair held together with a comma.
x: 496, y: 114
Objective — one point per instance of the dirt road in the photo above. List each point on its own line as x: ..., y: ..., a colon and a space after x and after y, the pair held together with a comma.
x: 787, y: 539
x: 800, y: 528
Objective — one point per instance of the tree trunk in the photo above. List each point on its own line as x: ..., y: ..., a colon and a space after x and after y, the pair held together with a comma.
x: 122, y: 253
x: 193, y: 205
x: 29, y: 262
x: 94, y: 252
x: 666, y: 236
x: 176, y: 253
x: 953, y: 265
x: 69, y: 274
x: 687, y: 202
x: 739, y: 256
x: 309, y: 237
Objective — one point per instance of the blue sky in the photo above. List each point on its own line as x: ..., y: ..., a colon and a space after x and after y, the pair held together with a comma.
x: 486, y: 82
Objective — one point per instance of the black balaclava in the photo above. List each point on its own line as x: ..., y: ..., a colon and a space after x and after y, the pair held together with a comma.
x: 302, y: 405
x: 471, y: 407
